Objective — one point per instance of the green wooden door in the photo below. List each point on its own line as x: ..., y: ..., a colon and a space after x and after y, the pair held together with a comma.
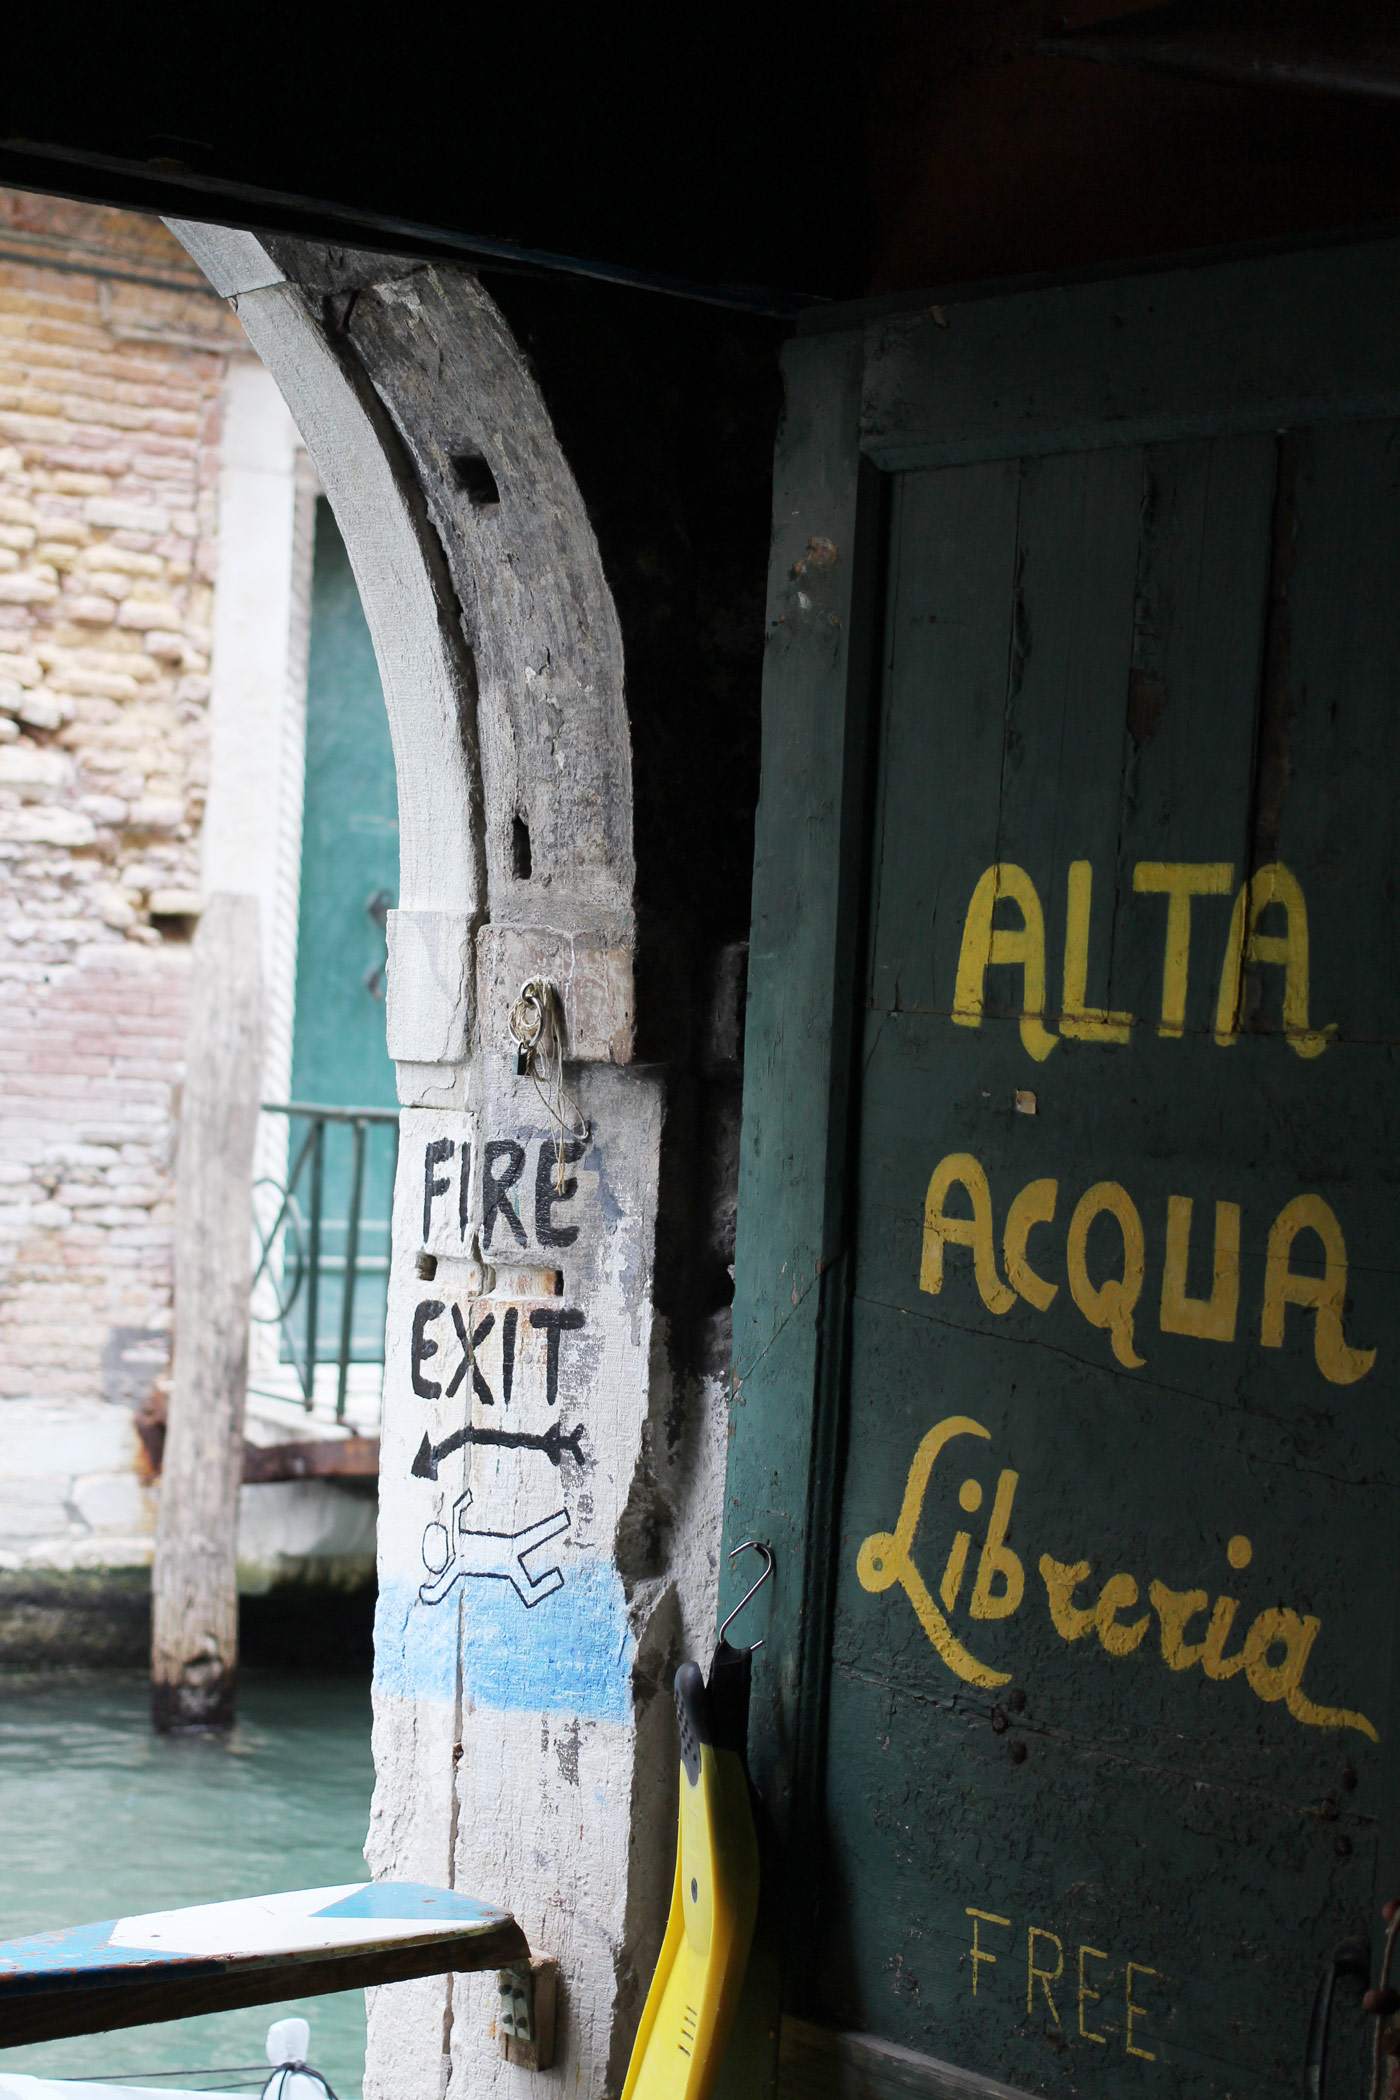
x: 1067, y: 1328
x: 349, y: 880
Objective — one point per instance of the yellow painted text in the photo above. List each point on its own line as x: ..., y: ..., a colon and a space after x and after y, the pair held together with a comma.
x: 1192, y: 1632
x: 1004, y: 930
x: 1063, y: 1982
x: 1106, y: 1269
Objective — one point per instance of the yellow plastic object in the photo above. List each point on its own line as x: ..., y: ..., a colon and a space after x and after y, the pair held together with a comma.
x: 695, y: 1990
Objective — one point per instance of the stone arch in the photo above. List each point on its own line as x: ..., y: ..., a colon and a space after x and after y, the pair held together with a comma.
x: 501, y: 657
x: 497, y: 638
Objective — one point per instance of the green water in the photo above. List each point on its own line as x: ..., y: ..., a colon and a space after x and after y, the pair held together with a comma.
x: 101, y: 1819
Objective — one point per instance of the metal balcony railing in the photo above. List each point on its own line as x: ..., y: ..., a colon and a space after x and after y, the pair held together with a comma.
x: 323, y: 1231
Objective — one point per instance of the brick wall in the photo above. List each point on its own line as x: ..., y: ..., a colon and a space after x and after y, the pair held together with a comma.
x: 112, y: 363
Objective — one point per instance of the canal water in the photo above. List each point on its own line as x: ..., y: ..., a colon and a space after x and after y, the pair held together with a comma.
x: 101, y: 1819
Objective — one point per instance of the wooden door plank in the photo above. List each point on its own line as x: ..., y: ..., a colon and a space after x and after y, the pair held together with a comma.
x: 941, y: 730
x: 1333, y: 725
x: 1063, y: 734
x: 1191, y: 708
x: 1137, y: 359
x: 798, y: 1036
x: 803, y: 990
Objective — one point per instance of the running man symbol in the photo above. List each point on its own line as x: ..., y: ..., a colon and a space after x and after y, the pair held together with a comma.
x: 452, y: 1551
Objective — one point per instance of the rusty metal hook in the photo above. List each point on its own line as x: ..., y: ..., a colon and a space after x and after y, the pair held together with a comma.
x: 749, y: 1546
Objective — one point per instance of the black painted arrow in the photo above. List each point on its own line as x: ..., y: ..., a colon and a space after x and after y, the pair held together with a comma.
x: 553, y: 1443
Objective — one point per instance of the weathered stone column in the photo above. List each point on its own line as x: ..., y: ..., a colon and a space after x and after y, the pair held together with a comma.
x: 528, y: 1621
x: 514, y: 1653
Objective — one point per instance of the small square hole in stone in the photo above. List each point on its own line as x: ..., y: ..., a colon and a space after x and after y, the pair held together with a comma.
x: 474, y: 475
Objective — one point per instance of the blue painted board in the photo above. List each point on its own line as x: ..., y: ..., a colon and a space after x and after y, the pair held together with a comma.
x: 167, y: 1965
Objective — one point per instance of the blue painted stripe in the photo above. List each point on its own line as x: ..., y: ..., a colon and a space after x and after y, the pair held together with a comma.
x: 416, y: 1644
x: 570, y: 1654
x: 70, y: 1947
x: 77, y: 1953
x: 411, y: 1901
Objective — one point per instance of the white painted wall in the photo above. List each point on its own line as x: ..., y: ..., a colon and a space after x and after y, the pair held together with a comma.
x: 250, y: 749
x: 251, y: 842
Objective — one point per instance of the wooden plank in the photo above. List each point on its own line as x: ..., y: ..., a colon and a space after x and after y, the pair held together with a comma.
x: 1133, y: 360
x: 811, y: 825
x: 313, y: 1458
x: 1334, y: 726
x: 828, y: 2063
x: 1199, y: 628
x: 194, y: 1621
x: 1068, y: 640
x: 804, y: 973
x: 171, y: 1965
x: 1325, y: 808
x: 954, y: 538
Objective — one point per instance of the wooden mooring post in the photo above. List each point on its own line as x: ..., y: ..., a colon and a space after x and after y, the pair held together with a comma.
x: 194, y: 1614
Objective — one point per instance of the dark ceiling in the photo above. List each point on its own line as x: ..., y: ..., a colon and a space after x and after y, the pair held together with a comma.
x: 763, y: 156
x: 671, y: 142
